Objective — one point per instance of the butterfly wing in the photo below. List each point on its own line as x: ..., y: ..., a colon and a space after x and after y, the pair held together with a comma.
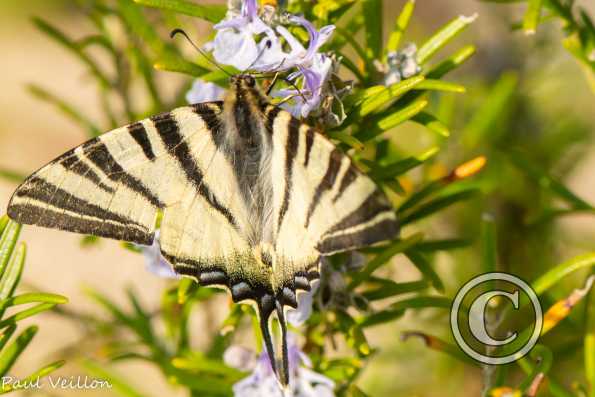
x: 113, y: 185
x: 325, y: 205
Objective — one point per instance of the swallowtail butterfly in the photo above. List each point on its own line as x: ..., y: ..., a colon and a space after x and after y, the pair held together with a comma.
x: 251, y: 198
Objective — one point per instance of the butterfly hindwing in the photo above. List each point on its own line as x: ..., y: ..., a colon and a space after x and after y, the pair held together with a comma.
x: 325, y: 204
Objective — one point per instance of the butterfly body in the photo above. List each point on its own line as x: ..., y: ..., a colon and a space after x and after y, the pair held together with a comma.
x: 251, y: 198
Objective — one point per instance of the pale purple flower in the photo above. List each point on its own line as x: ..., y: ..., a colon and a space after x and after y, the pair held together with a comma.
x: 303, y: 382
x: 297, y: 317
x: 310, y: 94
x: 204, y: 91
x: 234, y: 42
x: 155, y: 262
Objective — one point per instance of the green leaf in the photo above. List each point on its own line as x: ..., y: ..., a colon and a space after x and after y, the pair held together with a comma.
x: 551, y: 277
x: 390, y: 288
x: 392, y: 120
x: 179, y: 65
x: 421, y: 195
x: 42, y: 307
x: 119, y: 385
x: 40, y: 373
x: 442, y: 37
x: 488, y: 242
x: 12, y: 176
x: 65, y: 108
x: 400, y: 26
x: 422, y: 264
x: 418, y: 302
x: 386, y: 254
x: 3, y: 222
x: 73, y: 47
x: 9, y: 355
x: 9, y: 238
x: 430, y: 246
x: 211, y: 13
x: 371, y: 10
x: 548, y: 182
x: 437, y: 204
x: 12, y: 274
x: 400, y: 167
x: 347, y: 139
x: 381, y: 317
x: 33, y: 297
x: 375, y: 102
x: 432, y: 123
x: 451, y: 63
x: 439, y: 85
x: 498, y: 102
x: 531, y: 19
x: 6, y: 334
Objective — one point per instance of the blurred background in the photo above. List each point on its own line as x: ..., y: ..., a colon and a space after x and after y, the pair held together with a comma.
x: 545, y: 109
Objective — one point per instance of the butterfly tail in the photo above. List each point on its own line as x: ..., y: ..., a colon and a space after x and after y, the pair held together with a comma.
x: 277, y: 350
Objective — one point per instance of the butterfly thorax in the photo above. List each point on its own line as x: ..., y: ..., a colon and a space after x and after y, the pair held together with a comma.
x: 247, y: 143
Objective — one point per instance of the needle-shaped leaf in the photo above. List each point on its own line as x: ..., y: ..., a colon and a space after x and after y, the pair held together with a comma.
x: 532, y: 16
x: 371, y: 9
x: 384, y: 256
x: 402, y: 166
x: 209, y: 12
x: 431, y: 123
x: 437, y: 204
x: 42, y: 307
x: 554, y: 275
x: 378, y: 100
x: 439, y: 85
x: 400, y: 26
x: 9, y: 354
x: 384, y: 123
x: 8, y: 240
x: 118, y: 384
x: 29, y: 380
x: 425, y: 268
x: 443, y: 36
x: 65, y: 108
x: 547, y: 181
x: 494, y: 109
x: 388, y: 289
x: 58, y: 36
x: 451, y: 63
x: 12, y: 274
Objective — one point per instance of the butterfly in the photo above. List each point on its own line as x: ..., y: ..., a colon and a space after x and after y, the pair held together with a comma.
x: 250, y: 197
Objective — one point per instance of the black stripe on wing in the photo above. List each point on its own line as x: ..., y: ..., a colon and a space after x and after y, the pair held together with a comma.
x: 53, y: 201
x: 372, y: 207
x: 97, y: 152
x: 291, y: 147
x: 168, y: 130
x: 139, y: 134
x: 73, y: 163
x: 327, y: 182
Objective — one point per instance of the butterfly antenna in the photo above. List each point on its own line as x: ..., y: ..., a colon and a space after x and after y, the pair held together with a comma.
x: 267, y: 46
x: 204, y: 54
